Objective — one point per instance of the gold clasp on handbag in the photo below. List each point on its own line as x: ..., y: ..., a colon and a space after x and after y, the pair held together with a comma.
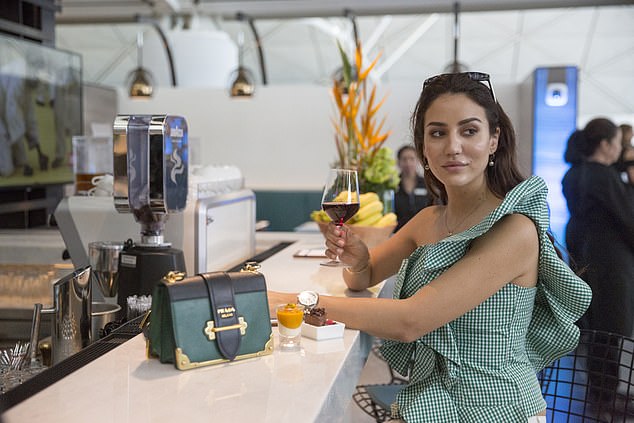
x: 174, y: 276
x: 210, y: 330
x: 251, y: 266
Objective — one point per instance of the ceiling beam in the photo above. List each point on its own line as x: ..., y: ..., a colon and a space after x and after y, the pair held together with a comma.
x: 329, y: 8
x: 121, y: 11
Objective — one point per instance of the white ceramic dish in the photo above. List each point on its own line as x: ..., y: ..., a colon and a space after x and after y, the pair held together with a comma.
x: 320, y: 333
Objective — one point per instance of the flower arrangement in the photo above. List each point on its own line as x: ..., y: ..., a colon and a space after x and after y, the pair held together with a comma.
x: 359, y: 136
x: 359, y: 140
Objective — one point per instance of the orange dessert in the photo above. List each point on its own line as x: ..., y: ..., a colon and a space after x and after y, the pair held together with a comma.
x: 290, y: 315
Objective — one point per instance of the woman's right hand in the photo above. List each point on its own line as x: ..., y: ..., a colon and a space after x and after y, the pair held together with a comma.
x: 351, y: 250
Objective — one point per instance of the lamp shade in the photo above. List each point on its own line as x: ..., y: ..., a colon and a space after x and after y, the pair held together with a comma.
x: 140, y: 83
x: 242, y: 83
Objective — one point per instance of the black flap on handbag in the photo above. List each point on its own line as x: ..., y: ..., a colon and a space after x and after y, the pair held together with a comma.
x: 243, y: 282
x: 224, y: 313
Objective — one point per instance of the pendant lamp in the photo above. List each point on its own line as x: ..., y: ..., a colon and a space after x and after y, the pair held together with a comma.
x: 455, y: 66
x: 242, y: 85
x: 140, y: 80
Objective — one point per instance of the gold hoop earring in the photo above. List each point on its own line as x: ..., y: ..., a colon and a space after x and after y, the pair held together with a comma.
x: 425, y: 165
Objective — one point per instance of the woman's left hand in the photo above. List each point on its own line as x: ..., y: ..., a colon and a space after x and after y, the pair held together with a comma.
x: 277, y: 298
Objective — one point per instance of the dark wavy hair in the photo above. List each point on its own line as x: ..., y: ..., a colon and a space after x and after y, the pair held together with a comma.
x: 583, y: 143
x: 501, y: 177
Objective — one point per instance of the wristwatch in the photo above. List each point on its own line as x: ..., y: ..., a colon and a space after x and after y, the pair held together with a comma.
x: 308, y: 299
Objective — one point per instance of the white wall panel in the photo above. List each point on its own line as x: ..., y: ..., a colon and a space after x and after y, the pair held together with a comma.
x: 282, y: 138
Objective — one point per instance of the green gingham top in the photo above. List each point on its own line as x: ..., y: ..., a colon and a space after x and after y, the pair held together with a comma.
x: 482, y: 366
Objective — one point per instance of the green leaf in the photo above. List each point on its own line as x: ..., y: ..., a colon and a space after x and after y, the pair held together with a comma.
x: 347, y: 68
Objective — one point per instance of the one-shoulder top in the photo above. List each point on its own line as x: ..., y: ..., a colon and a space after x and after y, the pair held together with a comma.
x: 482, y: 366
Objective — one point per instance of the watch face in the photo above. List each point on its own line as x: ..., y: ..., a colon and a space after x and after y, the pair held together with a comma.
x: 308, y: 298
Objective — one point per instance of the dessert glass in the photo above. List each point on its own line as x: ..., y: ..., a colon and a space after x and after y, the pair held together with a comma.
x: 289, y: 324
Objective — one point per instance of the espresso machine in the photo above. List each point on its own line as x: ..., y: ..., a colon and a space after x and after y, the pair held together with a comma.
x: 150, y: 155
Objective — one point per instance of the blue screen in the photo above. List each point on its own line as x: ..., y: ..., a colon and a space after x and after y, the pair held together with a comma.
x: 554, y: 119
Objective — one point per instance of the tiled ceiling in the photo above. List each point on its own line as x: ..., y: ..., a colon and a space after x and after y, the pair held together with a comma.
x: 299, y: 48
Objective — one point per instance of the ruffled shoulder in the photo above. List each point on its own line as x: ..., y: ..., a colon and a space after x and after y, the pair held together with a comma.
x: 561, y: 297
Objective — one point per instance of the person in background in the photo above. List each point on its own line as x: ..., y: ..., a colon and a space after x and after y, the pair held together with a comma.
x: 482, y: 301
x: 411, y: 195
x: 18, y: 120
x: 625, y: 165
x: 66, y: 112
x: 600, y: 238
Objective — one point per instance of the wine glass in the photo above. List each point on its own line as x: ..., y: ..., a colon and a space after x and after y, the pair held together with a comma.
x: 340, y: 200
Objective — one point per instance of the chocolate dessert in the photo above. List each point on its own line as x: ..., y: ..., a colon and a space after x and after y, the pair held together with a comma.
x: 316, y: 317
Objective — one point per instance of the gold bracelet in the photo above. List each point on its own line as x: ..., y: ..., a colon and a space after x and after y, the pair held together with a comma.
x: 356, y: 272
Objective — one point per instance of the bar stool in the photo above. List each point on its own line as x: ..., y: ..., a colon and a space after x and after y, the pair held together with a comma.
x: 594, y: 383
x: 566, y: 387
x: 376, y: 399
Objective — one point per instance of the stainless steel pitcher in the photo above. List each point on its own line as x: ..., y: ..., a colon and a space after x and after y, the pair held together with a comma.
x: 72, y: 315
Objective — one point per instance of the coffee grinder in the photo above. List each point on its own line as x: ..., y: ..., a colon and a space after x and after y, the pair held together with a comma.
x: 150, y: 155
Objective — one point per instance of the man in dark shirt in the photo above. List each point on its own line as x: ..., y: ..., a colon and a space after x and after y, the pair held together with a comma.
x: 412, y: 194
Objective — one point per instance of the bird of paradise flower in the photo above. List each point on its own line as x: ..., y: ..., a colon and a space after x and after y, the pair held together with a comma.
x: 358, y: 133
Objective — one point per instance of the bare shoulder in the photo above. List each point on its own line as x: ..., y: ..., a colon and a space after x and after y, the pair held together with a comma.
x: 426, y: 214
x: 512, y: 243
x: 518, y: 224
x: 421, y: 229
x: 514, y: 229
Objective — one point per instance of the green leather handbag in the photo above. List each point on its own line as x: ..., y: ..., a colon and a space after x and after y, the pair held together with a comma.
x: 209, y: 318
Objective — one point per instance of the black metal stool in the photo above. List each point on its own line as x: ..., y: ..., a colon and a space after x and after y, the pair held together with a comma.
x: 582, y: 386
x: 376, y: 399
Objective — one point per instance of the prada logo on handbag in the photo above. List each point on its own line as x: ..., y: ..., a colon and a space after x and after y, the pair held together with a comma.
x: 226, y: 312
x: 210, y: 329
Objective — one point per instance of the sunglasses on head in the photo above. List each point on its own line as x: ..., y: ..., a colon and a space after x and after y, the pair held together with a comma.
x: 474, y: 76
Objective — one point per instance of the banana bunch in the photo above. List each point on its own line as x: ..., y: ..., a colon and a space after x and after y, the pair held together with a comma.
x: 370, y: 213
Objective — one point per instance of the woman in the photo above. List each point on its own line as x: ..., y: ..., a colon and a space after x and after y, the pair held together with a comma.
x: 482, y: 300
x: 411, y: 195
x: 600, y: 235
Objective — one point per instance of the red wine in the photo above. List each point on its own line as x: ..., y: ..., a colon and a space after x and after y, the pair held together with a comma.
x: 340, y: 212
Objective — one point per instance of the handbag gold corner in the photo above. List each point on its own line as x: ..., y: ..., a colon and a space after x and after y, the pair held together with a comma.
x: 183, y: 362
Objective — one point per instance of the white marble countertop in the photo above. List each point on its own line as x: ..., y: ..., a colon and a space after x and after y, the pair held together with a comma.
x: 314, y: 384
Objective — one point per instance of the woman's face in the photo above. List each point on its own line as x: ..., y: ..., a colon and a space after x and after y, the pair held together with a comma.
x: 457, y: 142
x: 614, y: 148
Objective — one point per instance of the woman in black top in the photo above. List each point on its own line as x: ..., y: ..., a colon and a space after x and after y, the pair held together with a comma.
x: 600, y: 232
x: 412, y: 194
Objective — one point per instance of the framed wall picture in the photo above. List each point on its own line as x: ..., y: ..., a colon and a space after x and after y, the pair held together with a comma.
x: 40, y: 111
